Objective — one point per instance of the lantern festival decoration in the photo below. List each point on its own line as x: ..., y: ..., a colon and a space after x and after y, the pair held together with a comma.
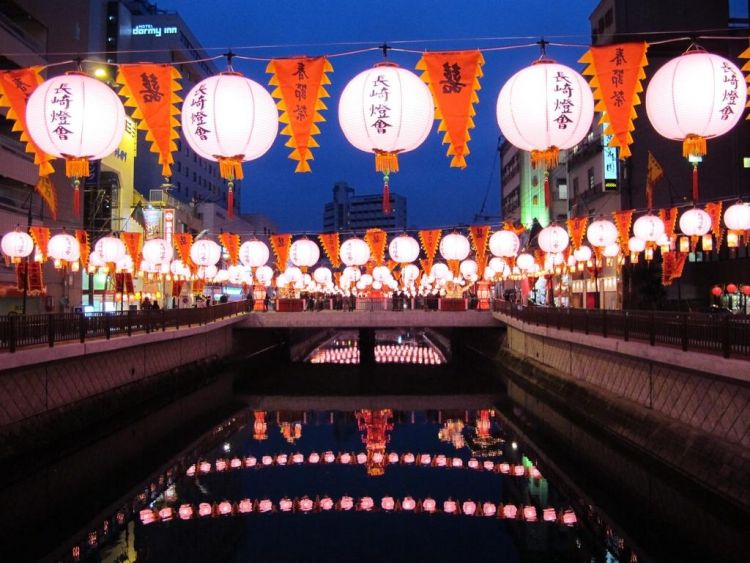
x: 695, y: 97
x: 157, y: 251
x: 254, y: 253
x: 322, y: 275
x: 64, y: 249
x: 737, y: 217
x: 78, y: 118
x: 695, y: 222
x: 601, y: 233
x: 582, y: 253
x: 454, y: 246
x: 403, y: 249
x: 110, y: 249
x: 304, y: 253
x: 386, y: 110
x: 504, y: 244
x: 354, y: 252
x: 205, y: 253
x: 553, y: 239
x: 544, y: 108
x: 648, y: 228
x: 468, y: 268
x: 264, y: 275
x: 229, y: 119
x: 17, y: 245
x: 525, y: 261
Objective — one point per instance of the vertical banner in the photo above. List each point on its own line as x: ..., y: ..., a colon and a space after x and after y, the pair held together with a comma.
x: 430, y: 240
x: 453, y: 78
x: 331, y: 244
x: 480, y: 236
x: 151, y: 89
x: 376, y: 239
x: 232, y: 245
x: 168, y: 224
x: 299, y: 83
x: 616, y: 74
x: 622, y: 220
x: 132, y: 242
x: 183, y: 242
x: 714, y: 211
x: 281, y: 245
x: 152, y: 222
x: 83, y: 241
x: 41, y: 239
x: 576, y: 230
x: 15, y: 88
x: 654, y: 173
x: 46, y: 189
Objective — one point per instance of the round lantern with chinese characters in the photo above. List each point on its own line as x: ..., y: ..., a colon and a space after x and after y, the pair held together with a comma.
x: 695, y: 222
x: 205, y: 253
x: 386, y: 110
x: 230, y: 119
x: 504, y: 244
x: 78, y: 118
x: 403, y: 249
x: 304, y: 253
x: 254, y: 253
x: 110, y: 249
x: 64, y: 249
x: 454, y: 246
x: 544, y: 108
x: 553, y: 239
x: 694, y: 97
x: 17, y: 245
x: 601, y: 233
x: 264, y: 275
x: 636, y: 244
x: 468, y: 268
x: 648, y: 228
x: 525, y: 261
x: 157, y: 251
x: 322, y: 275
x: 582, y: 253
x: 737, y: 217
x: 354, y: 252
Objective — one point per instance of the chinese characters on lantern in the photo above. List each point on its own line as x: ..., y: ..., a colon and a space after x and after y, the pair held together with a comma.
x: 379, y: 110
x: 563, y: 102
x: 729, y: 98
x: 198, y: 117
x: 452, y: 78
x: 60, y: 118
x: 300, y: 92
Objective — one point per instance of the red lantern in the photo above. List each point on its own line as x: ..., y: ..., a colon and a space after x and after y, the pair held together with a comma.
x: 745, y: 290
x: 731, y: 288
x: 716, y: 291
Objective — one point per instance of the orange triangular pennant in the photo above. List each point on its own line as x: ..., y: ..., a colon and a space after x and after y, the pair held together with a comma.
x: 151, y: 89
x: 622, y: 220
x: 83, y: 241
x: 331, y: 245
x: 430, y: 240
x: 479, y: 238
x: 231, y: 243
x: 376, y: 239
x: 299, y: 86
x: 132, y: 242
x: 41, y: 239
x: 617, y: 72
x: 746, y: 67
x: 453, y: 78
x: 281, y: 245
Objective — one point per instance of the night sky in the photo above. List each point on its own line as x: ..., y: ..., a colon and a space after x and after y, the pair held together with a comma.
x: 437, y: 194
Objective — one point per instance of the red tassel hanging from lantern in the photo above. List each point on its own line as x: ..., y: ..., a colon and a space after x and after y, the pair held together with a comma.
x: 547, y: 191
x: 77, y: 197
x: 230, y: 200
x: 386, y: 195
x: 695, y: 183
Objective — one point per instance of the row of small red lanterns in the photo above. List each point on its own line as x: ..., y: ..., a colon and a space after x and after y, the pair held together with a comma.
x: 730, y: 288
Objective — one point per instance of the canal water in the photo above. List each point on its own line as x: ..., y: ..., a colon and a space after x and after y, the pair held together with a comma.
x: 336, y: 463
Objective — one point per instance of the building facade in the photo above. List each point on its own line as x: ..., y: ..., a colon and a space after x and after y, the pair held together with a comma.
x: 348, y: 212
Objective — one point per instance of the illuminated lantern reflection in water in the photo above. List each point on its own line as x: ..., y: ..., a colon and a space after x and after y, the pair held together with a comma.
x: 376, y: 425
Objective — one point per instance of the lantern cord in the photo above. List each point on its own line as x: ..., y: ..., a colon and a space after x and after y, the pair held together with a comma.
x: 334, y: 55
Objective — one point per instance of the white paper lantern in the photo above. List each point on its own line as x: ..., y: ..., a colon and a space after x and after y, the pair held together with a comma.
x: 553, y: 239
x: 293, y: 274
x: 454, y: 246
x: 602, y: 232
x: 304, y: 253
x: 582, y: 253
x: 205, y: 252
x: 468, y: 268
x: 386, y: 110
x: 365, y: 280
x: 207, y: 272
x: 636, y: 244
x: 695, y: 97
x: 381, y: 273
x: 230, y: 119
x: 648, y: 228
x: 611, y: 250
x: 440, y: 271
x: 504, y: 244
x: 124, y: 264
x: 545, y: 107
x: 264, y: 275
x: 354, y: 252
x: 322, y: 275
x: 409, y: 273
x: 525, y: 261
x: 111, y: 249
x: 695, y: 222
x: 254, y: 253
x: 64, y: 248
x: 489, y: 274
x: 157, y: 251
x: 403, y: 249
x: 498, y: 264
x: 17, y: 245
x: 737, y: 217
x: 75, y: 117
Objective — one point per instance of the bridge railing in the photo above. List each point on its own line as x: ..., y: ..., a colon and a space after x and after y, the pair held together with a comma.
x: 17, y: 331
x: 726, y: 334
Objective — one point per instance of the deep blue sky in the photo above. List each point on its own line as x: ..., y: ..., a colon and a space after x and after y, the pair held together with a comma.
x: 437, y: 194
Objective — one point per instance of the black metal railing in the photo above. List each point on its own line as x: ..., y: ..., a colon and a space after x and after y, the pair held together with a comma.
x: 725, y: 334
x: 18, y: 331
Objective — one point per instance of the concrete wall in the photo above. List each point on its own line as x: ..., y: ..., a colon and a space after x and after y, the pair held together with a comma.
x: 31, y: 389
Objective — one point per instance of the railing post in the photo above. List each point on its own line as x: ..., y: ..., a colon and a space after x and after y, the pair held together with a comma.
x: 51, y: 330
x: 625, y: 332
x: 163, y: 320
x: 651, y: 329
x: 130, y: 322
x: 177, y: 319
x: 684, y: 331
x: 148, y: 321
x: 12, y: 329
x: 570, y: 319
x: 586, y: 321
x: 107, y: 327
x: 82, y: 327
x: 725, y: 346
x: 604, y: 323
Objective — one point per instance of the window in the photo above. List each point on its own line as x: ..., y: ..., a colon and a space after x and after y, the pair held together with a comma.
x: 562, y: 188
x: 575, y: 187
x: 591, y: 178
